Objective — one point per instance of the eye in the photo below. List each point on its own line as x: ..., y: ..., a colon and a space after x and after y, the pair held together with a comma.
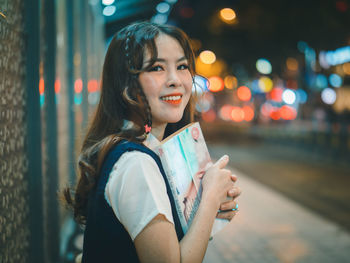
x: 156, y: 68
x: 182, y: 67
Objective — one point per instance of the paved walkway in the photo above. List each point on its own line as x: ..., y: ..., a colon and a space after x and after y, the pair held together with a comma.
x: 271, y: 228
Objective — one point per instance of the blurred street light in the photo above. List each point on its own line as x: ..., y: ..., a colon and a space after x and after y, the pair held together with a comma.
x: 263, y: 66
x: 227, y: 15
x: 107, y: 2
x: 216, y: 84
x: 109, y: 10
x: 230, y: 82
x: 328, y: 96
x: 207, y: 57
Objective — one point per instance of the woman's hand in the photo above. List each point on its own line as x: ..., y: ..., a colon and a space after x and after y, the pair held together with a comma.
x: 217, y: 182
x: 229, y: 208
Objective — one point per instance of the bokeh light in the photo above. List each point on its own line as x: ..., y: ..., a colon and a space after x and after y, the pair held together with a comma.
x: 225, y: 112
x: 203, y: 105
x: 275, y: 114
x: 216, y: 84
x: 107, y: 2
x: 227, y: 14
x: 328, y: 96
x: 263, y: 66
x: 230, y: 82
x: 292, y: 64
x: 92, y: 85
x: 302, y: 46
x: 42, y: 100
x: 78, y: 86
x: 244, y: 93
x: 78, y: 98
x: 301, y: 96
x: 248, y: 113
x: 208, y: 70
x: 207, y: 57
x: 266, y: 109
x: 160, y: 19
x: 41, y: 86
x: 346, y: 68
x: 93, y: 98
x: 287, y: 112
x: 163, y: 7
x: 265, y: 84
x: 109, y: 10
x: 288, y: 96
x: 321, y: 81
x: 57, y: 86
x: 209, y: 116
x: 237, y: 114
x: 335, y: 80
x: 276, y: 94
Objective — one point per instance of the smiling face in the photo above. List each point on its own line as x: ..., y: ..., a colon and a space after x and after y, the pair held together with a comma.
x: 168, y: 83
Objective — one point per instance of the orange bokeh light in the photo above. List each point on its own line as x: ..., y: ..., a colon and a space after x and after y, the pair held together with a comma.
x: 93, y: 85
x: 230, y: 82
x: 216, y: 84
x: 225, y: 112
x: 78, y: 86
x: 292, y: 64
x: 41, y: 86
x: 207, y: 57
x: 275, y: 115
x: 276, y: 94
x: 57, y: 86
x: 209, y: 116
x: 227, y: 14
x: 244, y: 93
x: 248, y: 113
x: 237, y: 114
x: 287, y: 113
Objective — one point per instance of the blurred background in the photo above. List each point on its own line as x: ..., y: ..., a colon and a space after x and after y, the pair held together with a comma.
x: 273, y: 90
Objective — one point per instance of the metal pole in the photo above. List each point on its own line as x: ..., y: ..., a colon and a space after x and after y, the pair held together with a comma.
x: 33, y: 140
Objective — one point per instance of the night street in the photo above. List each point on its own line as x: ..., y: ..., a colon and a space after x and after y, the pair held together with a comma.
x: 298, y: 211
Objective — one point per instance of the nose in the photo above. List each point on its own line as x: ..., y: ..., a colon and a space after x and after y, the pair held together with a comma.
x: 173, y: 79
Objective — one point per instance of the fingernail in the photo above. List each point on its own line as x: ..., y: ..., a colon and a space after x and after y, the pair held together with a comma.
x: 232, y: 191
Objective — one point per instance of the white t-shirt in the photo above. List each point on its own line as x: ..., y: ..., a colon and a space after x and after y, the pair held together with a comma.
x: 136, y: 190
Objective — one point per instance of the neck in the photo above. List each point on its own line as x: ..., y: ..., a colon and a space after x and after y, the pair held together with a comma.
x: 158, y: 130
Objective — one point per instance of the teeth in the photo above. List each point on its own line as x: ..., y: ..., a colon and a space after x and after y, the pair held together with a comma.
x: 171, y: 98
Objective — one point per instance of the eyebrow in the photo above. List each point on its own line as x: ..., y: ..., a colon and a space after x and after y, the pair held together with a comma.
x: 163, y: 60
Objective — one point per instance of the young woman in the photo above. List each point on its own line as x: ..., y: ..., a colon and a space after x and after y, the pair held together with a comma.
x: 122, y: 194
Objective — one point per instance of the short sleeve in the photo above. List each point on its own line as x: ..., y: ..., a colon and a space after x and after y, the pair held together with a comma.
x: 136, y: 192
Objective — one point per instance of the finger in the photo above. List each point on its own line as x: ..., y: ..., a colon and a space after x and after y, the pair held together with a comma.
x: 228, y: 206
x: 234, y: 192
x: 226, y: 215
x: 234, y: 177
x: 222, y: 162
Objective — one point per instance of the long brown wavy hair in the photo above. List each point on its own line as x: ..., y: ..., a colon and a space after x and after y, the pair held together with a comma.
x: 122, y: 99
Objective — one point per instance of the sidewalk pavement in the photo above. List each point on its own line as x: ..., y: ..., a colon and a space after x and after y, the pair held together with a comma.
x: 271, y: 228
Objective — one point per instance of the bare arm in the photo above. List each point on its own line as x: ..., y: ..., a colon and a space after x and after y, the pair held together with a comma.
x: 157, y: 242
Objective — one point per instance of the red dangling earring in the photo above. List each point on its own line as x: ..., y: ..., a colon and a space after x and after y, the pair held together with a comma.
x: 147, y: 129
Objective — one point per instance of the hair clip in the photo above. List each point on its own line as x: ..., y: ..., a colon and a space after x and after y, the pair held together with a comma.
x: 147, y: 129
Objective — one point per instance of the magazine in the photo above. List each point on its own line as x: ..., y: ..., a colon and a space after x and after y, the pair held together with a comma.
x: 185, y: 158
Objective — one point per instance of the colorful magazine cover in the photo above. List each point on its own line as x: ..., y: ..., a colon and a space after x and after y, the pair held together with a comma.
x: 185, y: 158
